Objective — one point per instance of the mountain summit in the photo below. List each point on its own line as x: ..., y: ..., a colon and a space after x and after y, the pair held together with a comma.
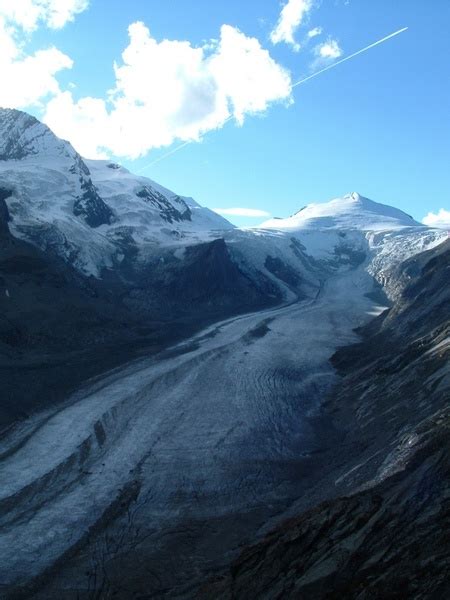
x: 23, y: 136
x: 352, y: 211
x: 90, y: 212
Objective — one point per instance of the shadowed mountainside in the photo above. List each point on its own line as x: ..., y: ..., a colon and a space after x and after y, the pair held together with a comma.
x: 58, y: 327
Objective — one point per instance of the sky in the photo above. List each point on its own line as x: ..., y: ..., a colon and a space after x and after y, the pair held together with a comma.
x: 200, y: 96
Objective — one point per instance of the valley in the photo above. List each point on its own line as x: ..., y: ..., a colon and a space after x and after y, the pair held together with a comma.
x: 234, y: 415
x: 175, y: 388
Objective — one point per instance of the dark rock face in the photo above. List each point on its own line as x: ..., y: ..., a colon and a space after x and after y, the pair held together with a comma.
x: 51, y: 320
x: 383, y: 532
x: 168, y: 212
x: 387, y: 542
x: 282, y: 271
x: 348, y: 254
x: 91, y: 207
x: 4, y: 213
x: 205, y: 282
x: 208, y: 275
x: 4, y: 194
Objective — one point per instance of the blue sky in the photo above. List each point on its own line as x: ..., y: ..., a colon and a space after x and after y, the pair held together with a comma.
x: 377, y: 124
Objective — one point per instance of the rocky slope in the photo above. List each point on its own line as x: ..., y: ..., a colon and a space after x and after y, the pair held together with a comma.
x: 384, y: 535
x: 168, y: 466
x: 58, y: 328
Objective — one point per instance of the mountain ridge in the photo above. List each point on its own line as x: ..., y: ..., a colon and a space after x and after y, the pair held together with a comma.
x: 49, y: 184
x: 106, y: 221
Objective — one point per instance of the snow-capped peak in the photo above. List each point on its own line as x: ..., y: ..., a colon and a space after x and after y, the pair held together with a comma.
x: 351, y: 211
x: 91, y: 213
x: 22, y: 136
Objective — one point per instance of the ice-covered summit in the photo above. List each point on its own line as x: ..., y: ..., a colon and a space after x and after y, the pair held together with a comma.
x: 22, y: 136
x: 352, y: 211
x: 91, y: 213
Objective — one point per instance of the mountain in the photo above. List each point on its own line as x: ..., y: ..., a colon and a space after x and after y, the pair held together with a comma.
x: 352, y: 211
x: 107, y: 222
x: 127, y: 262
x: 183, y: 398
x: 95, y: 214
x: 96, y: 265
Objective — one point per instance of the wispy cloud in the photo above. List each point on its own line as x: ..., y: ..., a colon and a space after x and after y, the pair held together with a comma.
x: 329, y: 50
x: 312, y: 33
x: 291, y: 17
x: 241, y: 212
x: 325, y: 53
x: 28, y: 14
x: 441, y: 219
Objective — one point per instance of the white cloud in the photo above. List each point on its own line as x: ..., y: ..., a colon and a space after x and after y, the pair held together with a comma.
x: 291, y: 17
x: 242, y: 212
x: 171, y: 90
x: 163, y: 91
x: 31, y: 77
x: 27, y: 14
x: 84, y: 123
x: 312, y: 33
x: 441, y: 219
x: 328, y: 50
x: 325, y: 54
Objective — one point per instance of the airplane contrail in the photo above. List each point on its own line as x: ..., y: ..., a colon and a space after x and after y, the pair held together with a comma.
x: 178, y: 148
x: 297, y: 83
x: 339, y: 62
x: 165, y: 155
